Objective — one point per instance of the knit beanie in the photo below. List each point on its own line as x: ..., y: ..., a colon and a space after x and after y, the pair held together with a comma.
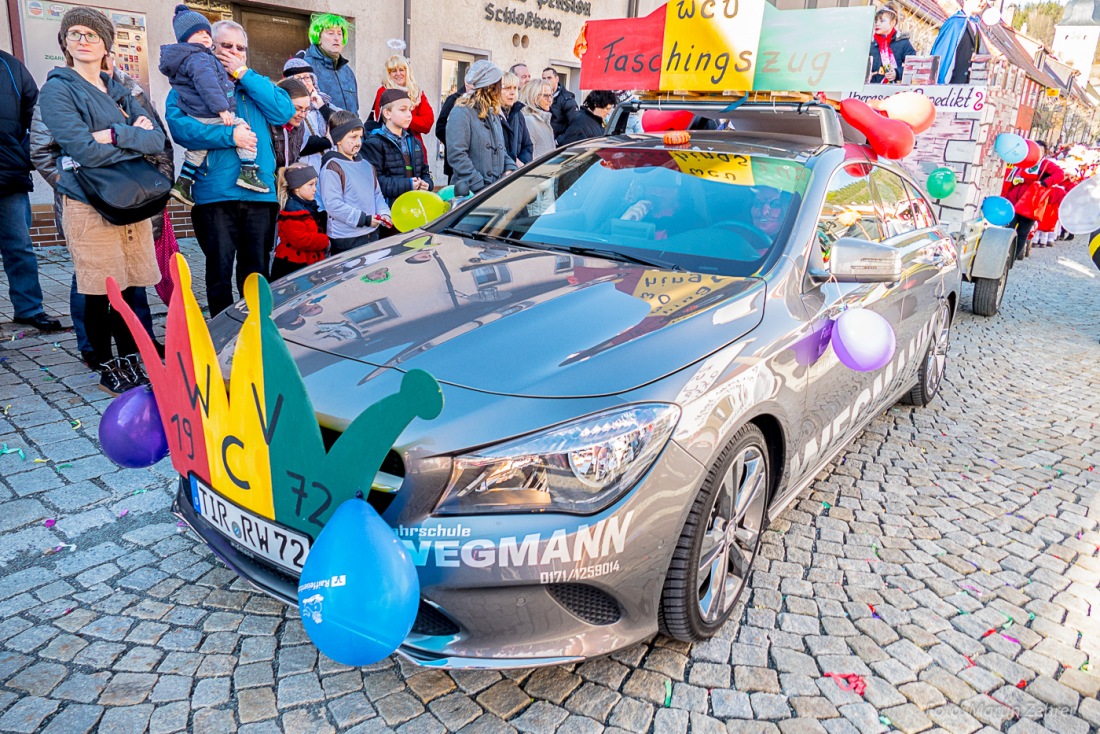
x: 337, y: 132
x: 392, y: 95
x: 89, y: 18
x: 294, y: 66
x: 483, y: 73
x: 188, y: 22
x: 299, y: 175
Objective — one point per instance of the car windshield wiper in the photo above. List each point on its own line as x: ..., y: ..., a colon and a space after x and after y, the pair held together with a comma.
x: 616, y: 255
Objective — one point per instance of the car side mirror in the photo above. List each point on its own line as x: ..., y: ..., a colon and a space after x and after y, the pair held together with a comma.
x: 853, y: 260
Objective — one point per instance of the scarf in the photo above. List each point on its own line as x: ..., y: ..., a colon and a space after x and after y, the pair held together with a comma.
x: 884, y: 48
x: 319, y: 216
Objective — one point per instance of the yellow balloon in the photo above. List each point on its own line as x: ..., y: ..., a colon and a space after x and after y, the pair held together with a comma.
x: 415, y: 209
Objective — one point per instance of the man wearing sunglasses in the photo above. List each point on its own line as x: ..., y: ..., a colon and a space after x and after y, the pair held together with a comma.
x: 233, y: 223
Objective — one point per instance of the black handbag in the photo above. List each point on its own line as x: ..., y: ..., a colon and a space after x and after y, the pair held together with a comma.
x: 125, y: 192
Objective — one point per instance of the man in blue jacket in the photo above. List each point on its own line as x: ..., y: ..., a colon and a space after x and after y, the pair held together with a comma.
x: 230, y: 221
x: 18, y: 93
x: 328, y: 35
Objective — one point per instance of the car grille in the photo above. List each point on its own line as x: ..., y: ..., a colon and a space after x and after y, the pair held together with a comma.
x: 432, y: 622
x: 587, y: 602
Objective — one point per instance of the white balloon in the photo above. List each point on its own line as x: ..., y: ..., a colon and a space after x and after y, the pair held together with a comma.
x: 991, y: 16
x: 1079, y: 212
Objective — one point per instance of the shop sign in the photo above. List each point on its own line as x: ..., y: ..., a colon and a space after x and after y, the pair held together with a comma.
x: 42, y: 21
x: 728, y: 45
x: 527, y: 19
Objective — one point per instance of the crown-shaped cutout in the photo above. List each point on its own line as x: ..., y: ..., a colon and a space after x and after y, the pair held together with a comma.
x: 259, y: 444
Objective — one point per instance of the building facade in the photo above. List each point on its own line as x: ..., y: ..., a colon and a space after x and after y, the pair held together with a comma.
x: 443, y: 39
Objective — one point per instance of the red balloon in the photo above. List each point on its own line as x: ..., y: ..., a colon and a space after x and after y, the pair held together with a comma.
x: 910, y: 107
x: 1034, y: 153
x: 858, y: 153
x: 892, y: 139
x: 658, y: 121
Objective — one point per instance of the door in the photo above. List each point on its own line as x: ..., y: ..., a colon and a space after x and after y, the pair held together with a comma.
x: 840, y: 398
x: 453, y: 70
x: 274, y: 37
x: 921, y: 260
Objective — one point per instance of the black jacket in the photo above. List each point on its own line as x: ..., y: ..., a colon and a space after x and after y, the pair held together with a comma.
x: 441, y: 127
x: 203, y: 88
x: 18, y: 93
x: 517, y: 139
x: 584, y: 126
x: 900, y: 47
x: 563, y: 110
x: 389, y: 164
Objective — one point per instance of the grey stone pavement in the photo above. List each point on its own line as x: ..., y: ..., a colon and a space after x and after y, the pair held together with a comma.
x: 951, y: 557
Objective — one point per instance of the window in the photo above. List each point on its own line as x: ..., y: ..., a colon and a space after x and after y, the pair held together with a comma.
x: 922, y: 211
x: 848, y: 212
x: 894, y: 207
x: 374, y: 311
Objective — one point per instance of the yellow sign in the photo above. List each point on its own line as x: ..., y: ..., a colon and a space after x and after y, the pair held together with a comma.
x: 1053, y: 92
x: 711, y: 44
x: 723, y: 167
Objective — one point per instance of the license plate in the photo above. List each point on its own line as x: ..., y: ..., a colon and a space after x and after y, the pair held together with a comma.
x: 261, y: 537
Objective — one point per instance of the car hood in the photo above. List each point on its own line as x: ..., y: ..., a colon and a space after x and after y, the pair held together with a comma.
x: 512, y: 320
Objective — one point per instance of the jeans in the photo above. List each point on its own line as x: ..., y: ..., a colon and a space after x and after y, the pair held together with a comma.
x: 139, y: 302
x: 17, y: 252
x: 228, y: 230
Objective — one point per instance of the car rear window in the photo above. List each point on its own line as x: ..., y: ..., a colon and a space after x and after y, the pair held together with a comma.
x: 699, y: 210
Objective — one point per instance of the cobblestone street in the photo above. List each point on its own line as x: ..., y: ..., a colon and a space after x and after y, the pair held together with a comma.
x: 951, y: 557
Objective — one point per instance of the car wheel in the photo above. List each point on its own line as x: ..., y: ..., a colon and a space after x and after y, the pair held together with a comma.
x: 714, y: 554
x: 930, y: 376
x: 989, y: 292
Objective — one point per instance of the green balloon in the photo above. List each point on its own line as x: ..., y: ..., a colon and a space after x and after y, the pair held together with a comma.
x: 447, y: 193
x: 941, y: 183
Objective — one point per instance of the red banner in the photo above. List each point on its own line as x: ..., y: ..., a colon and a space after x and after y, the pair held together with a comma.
x: 624, y: 54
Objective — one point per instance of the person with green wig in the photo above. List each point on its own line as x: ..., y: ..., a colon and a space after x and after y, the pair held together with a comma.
x: 328, y: 35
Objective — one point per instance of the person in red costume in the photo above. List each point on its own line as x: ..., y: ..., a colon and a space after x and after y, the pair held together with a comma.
x: 1029, y: 191
x: 399, y: 76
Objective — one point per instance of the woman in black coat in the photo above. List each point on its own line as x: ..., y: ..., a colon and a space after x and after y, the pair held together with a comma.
x: 517, y: 139
x: 589, y: 123
x: 889, y: 48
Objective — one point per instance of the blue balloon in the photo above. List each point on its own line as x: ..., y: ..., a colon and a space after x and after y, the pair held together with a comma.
x: 359, y: 592
x: 130, y: 431
x: 1011, y: 147
x: 998, y: 211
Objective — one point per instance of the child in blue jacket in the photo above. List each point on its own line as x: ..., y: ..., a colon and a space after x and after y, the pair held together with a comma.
x: 205, y: 93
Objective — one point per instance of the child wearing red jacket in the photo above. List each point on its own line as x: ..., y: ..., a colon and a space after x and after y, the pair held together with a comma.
x: 301, y: 226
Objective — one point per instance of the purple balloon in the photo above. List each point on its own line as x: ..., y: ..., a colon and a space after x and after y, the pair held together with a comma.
x: 131, y: 432
x: 863, y: 340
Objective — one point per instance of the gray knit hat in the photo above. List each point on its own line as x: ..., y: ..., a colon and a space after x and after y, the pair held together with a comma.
x: 299, y: 175
x: 89, y: 18
x: 295, y: 66
x: 483, y: 73
x: 186, y: 23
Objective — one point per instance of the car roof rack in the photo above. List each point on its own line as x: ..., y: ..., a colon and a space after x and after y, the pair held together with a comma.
x: 803, y: 117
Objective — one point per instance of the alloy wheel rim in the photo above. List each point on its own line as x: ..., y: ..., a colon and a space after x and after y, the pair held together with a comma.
x: 733, y: 530
x: 937, y: 356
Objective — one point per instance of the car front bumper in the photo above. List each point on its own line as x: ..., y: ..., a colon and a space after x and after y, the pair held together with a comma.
x: 584, y: 587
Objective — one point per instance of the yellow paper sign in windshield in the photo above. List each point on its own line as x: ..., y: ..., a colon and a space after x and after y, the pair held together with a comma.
x: 711, y: 44
x: 724, y: 167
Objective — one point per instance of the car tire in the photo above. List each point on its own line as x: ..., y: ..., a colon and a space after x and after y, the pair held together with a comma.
x: 989, y: 292
x: 932, y: 369
x: 696, y: 602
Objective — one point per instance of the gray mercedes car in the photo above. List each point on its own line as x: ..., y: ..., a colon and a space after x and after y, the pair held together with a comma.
x: 632, y: 336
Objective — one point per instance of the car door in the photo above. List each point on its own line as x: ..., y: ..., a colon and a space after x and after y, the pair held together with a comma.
x: 840, y: 398
x: 921, y: 260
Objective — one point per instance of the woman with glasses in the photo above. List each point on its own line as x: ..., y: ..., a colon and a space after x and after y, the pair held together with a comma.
x: 537, y: 97
x: 96, y: 122
x: 516, y: 137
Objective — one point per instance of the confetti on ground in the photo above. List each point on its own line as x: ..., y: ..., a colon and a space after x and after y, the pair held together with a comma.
x: 849, y: 682
x: 885, y: 721
x: 75, y: 424
x: 7, y: 408
x: 1022, y: 684
x: 123, y: 513
x: 969, y: 661
x: 140, y: 491
x: 1011, y: 639
x: 826, y: 505
x: 668, y: 693
x: 969, y: 587
x: 67, y: 611
x: 4, y: 450
x: 50, y: 522
x: 988, y: 632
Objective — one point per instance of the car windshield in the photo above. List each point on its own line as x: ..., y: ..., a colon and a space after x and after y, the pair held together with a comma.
x: 691, y: 210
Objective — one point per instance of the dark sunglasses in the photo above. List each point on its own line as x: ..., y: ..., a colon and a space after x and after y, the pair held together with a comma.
x: 231, y: 46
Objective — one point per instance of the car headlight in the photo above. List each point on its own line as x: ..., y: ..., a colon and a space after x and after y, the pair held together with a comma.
x: 579, y: 467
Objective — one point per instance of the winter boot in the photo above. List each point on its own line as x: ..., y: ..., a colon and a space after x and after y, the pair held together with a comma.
x: 112, y: 379
x: 133, y: 369
x: 181, y: 192
x: 250, y: 179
